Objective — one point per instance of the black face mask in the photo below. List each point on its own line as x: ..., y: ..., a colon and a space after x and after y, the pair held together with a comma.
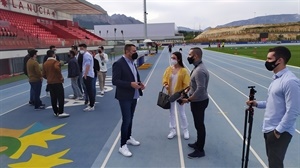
x: 190, y: 60
x: 271, y: 65
x: 99, y: 51
x: 134, y: 56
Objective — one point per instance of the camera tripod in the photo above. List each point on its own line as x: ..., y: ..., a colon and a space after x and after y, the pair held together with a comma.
x: 249, y: 112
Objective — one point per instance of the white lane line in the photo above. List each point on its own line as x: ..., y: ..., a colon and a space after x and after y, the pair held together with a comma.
x: 118, y: 137
x: 239, y: 67
x: 14, y: 95
x: 254, y: 59
x: 23, y: 91
x: 238, y: 90
x: 228, y: 83
x: 237, y: 131
x: 237, y: 75
x: 14, y: 86
x: 111, y: 150
x: 231, y: 124
x: 182, y: 164
x: 23, y: 105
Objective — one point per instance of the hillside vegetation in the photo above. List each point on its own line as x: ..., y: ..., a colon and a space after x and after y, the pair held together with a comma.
x: 282, y: 31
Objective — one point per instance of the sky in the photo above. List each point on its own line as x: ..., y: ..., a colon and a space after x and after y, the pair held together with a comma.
x: 198, y: 14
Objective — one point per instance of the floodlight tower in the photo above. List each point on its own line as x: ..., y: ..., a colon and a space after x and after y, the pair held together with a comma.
x: 145, y: 20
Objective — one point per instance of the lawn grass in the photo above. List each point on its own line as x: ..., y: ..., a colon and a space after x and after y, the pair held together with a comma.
x: 12, y: 79
x: 260, y: 52
x: 19, y: 77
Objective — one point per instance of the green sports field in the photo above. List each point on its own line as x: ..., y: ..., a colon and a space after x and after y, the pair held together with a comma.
x: 259, y: 52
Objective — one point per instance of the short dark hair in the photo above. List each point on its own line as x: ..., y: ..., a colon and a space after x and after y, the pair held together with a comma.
x: 50, y: 53
x: 197, y: 51
x: 128, y: 46
x: 101, y: 47
x: 32, y: 52
x: 281, y: 52
x: 82, y: 45
x: 51, y: 47
x: 179, y: 58
x: 74, y: 47
x: 29, y: 49
x: 72, y: 53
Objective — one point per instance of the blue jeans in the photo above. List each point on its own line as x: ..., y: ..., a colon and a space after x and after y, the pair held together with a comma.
x: 37, y: 87
x: 127, y: 109
x: 76, y: 90
x: 80, y: 83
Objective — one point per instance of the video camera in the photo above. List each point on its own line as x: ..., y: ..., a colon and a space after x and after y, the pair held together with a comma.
x: 185, y: 96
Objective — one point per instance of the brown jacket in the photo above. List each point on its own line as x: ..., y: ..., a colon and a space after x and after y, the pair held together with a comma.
x: 33, y: 70
x: 52, y: 71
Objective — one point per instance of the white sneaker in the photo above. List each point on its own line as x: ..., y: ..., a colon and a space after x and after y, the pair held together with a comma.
x: 172, y: 134
x: 79, y: 98
x: 133, y: 142
x: 102, y: 93
x: 186, y: 134
x: 125, y: 151
x: 63, y: 115
x: 89, y: 108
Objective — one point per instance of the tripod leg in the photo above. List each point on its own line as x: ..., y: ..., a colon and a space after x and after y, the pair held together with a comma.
x: 249, y: 136
x: 244, y: 140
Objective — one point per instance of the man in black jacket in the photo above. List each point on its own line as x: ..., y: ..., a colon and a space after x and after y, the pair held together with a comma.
x: 73, y: 74
x: 26, y: 58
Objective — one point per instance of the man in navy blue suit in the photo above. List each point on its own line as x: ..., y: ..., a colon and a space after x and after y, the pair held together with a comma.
x: 128, y: 89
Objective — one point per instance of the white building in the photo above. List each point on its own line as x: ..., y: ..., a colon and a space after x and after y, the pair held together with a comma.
x: 156, y: 31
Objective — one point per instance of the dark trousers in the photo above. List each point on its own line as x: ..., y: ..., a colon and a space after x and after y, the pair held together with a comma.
x: 276, y: 148
x: 127, y: 109
x: 57, y: 96
x: 31, y: 94
x: 88, y: 82
x: 198, y: 109
x: 37, y: 87
x: 47, y: 88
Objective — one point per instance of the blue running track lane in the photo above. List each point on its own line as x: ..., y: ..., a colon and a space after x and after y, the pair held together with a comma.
x: 30, y: 138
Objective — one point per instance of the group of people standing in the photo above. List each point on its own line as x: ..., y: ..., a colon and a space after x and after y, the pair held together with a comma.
x: 83, y: 70
x: 282, y: 105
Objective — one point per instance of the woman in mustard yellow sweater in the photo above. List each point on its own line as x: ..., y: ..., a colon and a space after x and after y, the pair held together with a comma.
x: 176, y: 78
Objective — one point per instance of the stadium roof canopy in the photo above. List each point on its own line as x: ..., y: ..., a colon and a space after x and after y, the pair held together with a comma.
x: 71, y: 7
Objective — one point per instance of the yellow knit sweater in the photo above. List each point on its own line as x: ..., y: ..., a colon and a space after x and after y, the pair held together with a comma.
x: 182, y: 82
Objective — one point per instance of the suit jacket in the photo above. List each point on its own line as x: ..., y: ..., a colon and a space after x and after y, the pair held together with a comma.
x: 122, y: 78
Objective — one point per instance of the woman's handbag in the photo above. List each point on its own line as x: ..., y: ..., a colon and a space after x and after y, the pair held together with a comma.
x: 163, y: 100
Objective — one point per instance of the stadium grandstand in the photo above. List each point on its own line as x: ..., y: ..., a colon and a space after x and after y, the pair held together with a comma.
x: 38, y: 24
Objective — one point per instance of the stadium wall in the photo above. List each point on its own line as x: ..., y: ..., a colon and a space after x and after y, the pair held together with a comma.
x: 33, y: 9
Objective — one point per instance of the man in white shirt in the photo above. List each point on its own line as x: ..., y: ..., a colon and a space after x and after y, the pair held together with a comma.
x: 103, y: 59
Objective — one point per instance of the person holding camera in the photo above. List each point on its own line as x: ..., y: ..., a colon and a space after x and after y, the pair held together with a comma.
x: 282, y: 106
x: 103, y: 59
x: 175, y: 79
x: 198, y: 98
